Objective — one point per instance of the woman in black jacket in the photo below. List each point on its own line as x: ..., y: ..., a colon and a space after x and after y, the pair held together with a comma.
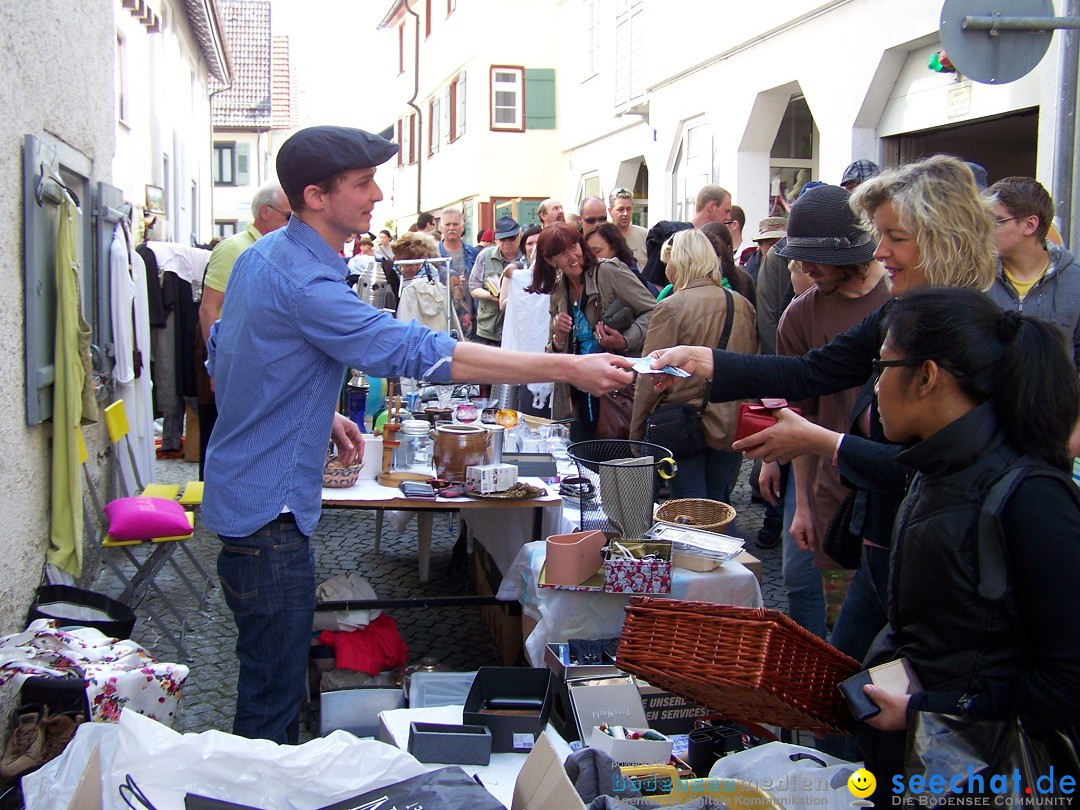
x: 977, y: 393
x: 934, y: 229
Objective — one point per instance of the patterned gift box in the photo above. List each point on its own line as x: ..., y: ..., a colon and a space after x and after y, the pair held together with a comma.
x: 639, y: 576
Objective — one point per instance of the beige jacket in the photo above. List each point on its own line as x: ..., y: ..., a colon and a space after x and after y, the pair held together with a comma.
x: 611, y: 281
x: 695, y: 316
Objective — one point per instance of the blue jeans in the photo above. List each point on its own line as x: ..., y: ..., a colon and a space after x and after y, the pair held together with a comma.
x: 864, y: 612
x: 268, y: 580
x: 802, y: 581
x: 710, y: 474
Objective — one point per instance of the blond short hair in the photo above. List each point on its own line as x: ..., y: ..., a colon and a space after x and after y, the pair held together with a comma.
x: 689, y: 255
x: 936, y: 199
x: 415, y: 245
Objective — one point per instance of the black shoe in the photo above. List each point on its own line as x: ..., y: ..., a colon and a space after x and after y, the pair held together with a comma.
x: 769, y: 534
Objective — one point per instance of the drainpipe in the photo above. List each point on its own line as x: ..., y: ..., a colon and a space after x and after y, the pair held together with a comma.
x: 1065, y: 153
x: 416, y: 140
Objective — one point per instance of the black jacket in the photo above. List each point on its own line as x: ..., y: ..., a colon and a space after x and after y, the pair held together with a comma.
x: 866, y: 464
x: 1015, y: 655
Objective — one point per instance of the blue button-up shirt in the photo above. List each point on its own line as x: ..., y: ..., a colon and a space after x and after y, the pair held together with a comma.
x: 289, y: 327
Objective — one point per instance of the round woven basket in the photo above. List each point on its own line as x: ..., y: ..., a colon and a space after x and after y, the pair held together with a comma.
x: 701, y: 513
x: 335, y: 476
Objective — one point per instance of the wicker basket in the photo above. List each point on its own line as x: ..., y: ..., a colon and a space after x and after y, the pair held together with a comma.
x: 751, y: 663
x: 335, y: 476
x: 712, y: 516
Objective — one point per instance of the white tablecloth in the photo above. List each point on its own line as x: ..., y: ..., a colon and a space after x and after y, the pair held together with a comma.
x: 562, y: 615
x: 498, y: 776
x: 503, y: 533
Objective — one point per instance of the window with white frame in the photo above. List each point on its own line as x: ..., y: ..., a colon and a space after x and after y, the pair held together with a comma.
x: 693, y: 169
x: 446, y: 107
x: 508, y: 98
x: 434, y: 124
x: 630, y: 43
x: 406, y: 139
x: 457, y: 107
x: 592, y: 38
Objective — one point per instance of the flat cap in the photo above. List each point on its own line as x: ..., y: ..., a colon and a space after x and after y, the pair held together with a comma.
x: 316, y: 153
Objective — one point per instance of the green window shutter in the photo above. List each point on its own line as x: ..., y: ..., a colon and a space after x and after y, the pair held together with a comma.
x: 243, y: 161
x: 539, y: 98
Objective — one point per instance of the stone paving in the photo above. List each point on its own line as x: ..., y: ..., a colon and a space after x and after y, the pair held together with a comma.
x: 457, y: 637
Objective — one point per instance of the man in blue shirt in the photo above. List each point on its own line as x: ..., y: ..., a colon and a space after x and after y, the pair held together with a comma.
x: 290, y: 325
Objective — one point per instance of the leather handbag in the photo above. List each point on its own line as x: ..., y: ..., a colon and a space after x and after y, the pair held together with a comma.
x: 678, y: 425
x: 839, y: 542
x: 614, y: 410
x: 755, y: 417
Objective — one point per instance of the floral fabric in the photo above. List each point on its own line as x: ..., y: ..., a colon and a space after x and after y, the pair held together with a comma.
x: 118, y: 674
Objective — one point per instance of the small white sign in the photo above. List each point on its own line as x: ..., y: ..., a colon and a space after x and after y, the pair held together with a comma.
x: 524, y: 742
x: 959, y: 101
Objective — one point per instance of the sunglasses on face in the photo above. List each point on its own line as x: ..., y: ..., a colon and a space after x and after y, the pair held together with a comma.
x: 880, y: 365
x: 593, y: 220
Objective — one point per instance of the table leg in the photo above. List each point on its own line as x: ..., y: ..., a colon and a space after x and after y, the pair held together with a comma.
x: 424, y: 520
x: 378, y: 529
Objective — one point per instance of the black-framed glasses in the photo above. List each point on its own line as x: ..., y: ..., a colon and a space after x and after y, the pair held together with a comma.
x: 594, y: 220
x: 285, y: 214
x: 730, y: 222
x: 880, y: 365
x: 1003, y: 220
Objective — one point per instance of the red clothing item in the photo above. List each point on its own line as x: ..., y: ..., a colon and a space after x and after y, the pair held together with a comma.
x: 371, y: 649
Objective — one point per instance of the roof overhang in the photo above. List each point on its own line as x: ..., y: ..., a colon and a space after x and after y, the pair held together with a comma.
x: 209, y: 31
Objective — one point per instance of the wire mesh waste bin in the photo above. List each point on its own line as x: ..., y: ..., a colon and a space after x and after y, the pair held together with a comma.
x: 625, y: 477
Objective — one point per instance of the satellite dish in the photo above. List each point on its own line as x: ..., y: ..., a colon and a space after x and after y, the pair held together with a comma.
x: 995, y: 57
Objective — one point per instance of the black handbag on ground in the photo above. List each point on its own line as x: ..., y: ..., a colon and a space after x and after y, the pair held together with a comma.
x: 678, y: 425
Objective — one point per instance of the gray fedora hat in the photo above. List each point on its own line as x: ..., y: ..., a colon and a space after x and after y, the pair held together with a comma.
x: 823, y: 229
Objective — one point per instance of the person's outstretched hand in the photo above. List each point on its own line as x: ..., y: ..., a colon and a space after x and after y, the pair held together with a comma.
x: 696, y: 360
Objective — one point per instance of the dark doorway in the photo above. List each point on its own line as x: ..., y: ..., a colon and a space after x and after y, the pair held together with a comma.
x: 1004, y: 146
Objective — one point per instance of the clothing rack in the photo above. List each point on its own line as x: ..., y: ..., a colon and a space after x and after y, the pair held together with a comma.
x: 427, y: 266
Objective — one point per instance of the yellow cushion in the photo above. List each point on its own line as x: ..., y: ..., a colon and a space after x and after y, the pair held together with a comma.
x: 193, y: 493
x: 167, y: 491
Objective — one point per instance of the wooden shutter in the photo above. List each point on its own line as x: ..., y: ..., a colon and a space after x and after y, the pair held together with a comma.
x: 539, y: 98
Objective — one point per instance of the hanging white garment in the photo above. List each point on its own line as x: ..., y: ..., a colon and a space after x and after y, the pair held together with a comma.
x: 525, y: 326
x: 141, y: 414
x: 425, y: 301
x: 186, y: 261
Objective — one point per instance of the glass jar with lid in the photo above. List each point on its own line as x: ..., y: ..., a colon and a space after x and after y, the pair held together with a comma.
x: 415, y: 452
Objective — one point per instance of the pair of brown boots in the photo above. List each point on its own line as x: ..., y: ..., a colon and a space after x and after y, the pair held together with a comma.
x: 36, y: 737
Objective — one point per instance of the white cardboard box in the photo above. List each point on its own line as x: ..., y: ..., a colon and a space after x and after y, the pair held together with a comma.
x: 632, y: 752
x: 487, y: 478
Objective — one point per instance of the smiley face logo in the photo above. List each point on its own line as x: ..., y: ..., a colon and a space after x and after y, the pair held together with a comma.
x: 861, y: 783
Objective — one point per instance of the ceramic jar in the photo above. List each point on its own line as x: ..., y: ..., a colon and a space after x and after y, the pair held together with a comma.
x: 458, y: 447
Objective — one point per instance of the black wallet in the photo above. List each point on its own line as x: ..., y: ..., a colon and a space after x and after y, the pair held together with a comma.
x: 896, y: 677
x: 417, y: 489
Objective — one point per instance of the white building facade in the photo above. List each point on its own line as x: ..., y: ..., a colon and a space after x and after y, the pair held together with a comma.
x: 483, y: 134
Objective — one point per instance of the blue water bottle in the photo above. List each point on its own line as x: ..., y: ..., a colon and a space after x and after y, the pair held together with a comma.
x: 356, y: 398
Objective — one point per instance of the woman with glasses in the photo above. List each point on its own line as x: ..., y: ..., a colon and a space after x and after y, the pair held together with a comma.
x: 958, y: 388
x: 595, y: 307
x: 934, y: 229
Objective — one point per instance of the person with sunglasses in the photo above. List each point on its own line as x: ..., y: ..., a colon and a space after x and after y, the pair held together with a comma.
x: 592, y: 214
x: 934, y: 229
x: 958, y: 389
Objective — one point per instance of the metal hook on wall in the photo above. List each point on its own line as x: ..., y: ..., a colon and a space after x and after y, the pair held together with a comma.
x: 49, y: 173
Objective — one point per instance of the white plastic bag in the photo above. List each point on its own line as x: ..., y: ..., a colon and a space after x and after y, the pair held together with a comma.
x: 166, y: 765
x: 795, y: 775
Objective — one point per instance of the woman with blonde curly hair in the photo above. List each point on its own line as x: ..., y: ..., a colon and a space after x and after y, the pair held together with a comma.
x: 934, y: 229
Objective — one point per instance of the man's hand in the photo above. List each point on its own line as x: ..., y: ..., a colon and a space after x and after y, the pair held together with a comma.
x: 348, y: 439
x: 769, y: 482
x: 791, y: 436
x: 599, y: 373
x: 697, y: 360
x: 802, y: 529
x: 610, y: 339
x: 893, y: 715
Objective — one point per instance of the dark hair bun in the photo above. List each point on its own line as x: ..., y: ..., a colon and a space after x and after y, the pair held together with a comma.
x: 1008, y: 324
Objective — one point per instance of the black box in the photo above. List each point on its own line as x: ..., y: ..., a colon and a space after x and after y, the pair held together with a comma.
x: 524, y: 693
x: 448, y: 744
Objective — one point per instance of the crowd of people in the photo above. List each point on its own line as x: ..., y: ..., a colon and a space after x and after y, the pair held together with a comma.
x: 914, y: 317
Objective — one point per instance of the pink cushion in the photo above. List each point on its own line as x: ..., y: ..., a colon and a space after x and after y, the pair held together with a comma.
x: 146, y: 518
